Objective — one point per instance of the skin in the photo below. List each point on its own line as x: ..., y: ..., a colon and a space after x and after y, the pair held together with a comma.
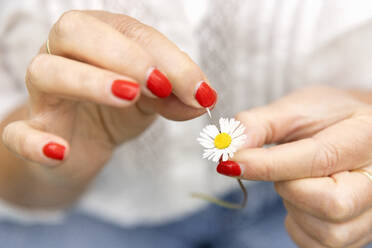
x: 70, y: 102
x: 323, y: 133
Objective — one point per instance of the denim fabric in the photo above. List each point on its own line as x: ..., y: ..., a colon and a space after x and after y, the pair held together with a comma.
x: 260, y: 225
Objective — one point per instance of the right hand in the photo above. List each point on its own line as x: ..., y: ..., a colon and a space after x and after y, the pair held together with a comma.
x: 77, y: 117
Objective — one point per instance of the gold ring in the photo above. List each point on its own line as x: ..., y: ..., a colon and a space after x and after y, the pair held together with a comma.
x: 364, y: 172
x: 47, y: 47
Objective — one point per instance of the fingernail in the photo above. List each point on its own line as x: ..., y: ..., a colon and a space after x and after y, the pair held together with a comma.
x: 158, y: 84
x: 124, y: 89
x: 205, y: 95
x: 229, y: 168
x: 54, y: 150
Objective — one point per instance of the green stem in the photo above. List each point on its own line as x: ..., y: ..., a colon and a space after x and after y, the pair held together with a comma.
x: 222, y: 203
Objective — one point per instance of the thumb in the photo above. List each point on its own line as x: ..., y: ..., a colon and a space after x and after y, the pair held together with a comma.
x: 298, y: 115
x: 343, y: 146
x: 272, y: 124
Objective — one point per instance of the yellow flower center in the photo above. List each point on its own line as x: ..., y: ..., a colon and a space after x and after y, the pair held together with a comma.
x: 222, y: 141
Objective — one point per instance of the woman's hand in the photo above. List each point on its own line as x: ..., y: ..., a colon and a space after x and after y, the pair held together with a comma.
x: 324, y: 135
x: 103, y: 83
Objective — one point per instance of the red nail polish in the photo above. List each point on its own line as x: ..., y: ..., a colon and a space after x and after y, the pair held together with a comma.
x: 205, y: 95
x: 54, y: 151
x: 125, y: 89
x: 229, y: 168
x: 159, y: 84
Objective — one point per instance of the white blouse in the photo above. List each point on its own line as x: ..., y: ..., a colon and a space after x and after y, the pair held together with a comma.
x: 252, y: 51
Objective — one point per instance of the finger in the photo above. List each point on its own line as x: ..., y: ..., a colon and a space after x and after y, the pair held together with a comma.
x: 332, y: 234
x: 60, y: 77
x: 171, y: 108
x: 189, y: 83
x: 85, y: 38
x: 299, y: 236
x: 34, y: 145
x: 267, y: 125
x: 108, y: 48
x: 341, y: 197
x: 330, y: 151
x: 298, y: 115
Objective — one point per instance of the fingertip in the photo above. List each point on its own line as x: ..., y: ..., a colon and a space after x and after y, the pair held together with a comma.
x: 230, y: 168
x: 125, y: 91
x: 55, y: 151
x: 158, y: 84
x: 205, y: 95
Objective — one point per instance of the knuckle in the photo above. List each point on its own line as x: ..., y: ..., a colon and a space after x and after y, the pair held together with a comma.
x: 268, y: 168
x: 188, y: 67
x: 6, y: 133
x: 325, y: 160
x: 134, y: 29
x: 67, y: 22
x: 336, y: 236
x: 339, y: 208
x: 35, y: 66
x: 265, y: 130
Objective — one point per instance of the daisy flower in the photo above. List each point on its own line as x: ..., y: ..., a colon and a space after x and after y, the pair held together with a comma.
x: 222, y: 142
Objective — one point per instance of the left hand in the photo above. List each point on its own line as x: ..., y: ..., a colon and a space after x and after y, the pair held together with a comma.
x: 324, y: 133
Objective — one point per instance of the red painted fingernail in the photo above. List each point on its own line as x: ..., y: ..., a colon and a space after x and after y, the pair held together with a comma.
x: 125, y: 89
x: 54, y: 150
x: 229, y: 168
x: 205, y: 95
x: 159, y: 84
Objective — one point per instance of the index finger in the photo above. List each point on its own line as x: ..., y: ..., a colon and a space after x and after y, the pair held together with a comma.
x: 332, y: 150
x: 189, y: 83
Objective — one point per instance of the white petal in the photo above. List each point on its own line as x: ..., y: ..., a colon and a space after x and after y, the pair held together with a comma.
x: 232, y: 121
x: 206, y: 136
x: 223, y: 125
x: 228, y: 126
x: 211, y: 153
x: 203, y: 140
x: 211, y: 130
x: 206, y: 144
x: 239, y: 131
x: 232, y: 148
x: 217, y: 155
x: 230, y: 152
x: 234, y: 125
x: 225, y: 156
x: 207, y: 152
x: 238, y: 142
